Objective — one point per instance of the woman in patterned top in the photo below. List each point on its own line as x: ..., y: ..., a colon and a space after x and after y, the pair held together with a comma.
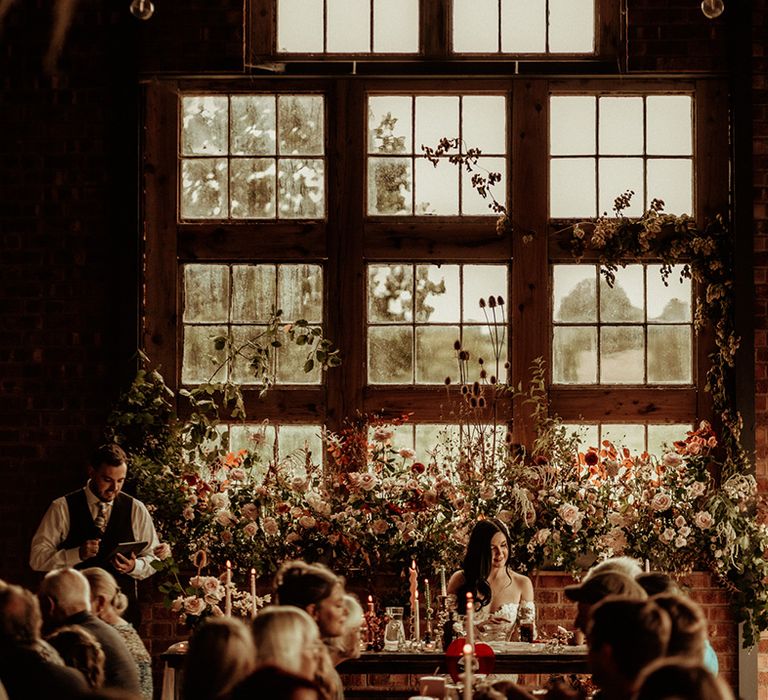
x: 108, y: 602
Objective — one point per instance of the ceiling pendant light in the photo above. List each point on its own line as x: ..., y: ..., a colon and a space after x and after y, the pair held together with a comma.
x: 712, y: 8
x: 142, y: 9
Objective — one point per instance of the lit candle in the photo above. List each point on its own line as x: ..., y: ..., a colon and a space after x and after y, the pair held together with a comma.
x: 443, y: 588
x: 253, y: 593
x: 228, y: 590
x: 427, y: 595
x: 413, y: 581
x: 370, y: 604
x: 469, y: 621
x: 416, y: 621
x: 467, y: 672
x: 647, y: 566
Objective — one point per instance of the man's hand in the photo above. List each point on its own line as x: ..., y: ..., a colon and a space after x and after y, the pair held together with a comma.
x: 88, y: 549
x: 123, y: 564
x: 162, y: 551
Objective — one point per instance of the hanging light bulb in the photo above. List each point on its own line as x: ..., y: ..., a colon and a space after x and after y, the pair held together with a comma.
x: 712, y: 8
x: 142, y: 9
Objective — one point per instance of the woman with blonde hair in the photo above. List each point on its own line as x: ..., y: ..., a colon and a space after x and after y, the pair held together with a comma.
x: 347, y: 644
x: 108, y: 603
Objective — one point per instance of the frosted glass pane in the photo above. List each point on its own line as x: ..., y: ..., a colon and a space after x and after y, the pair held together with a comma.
x: 435, y: 356
x: 204, y: 125
x: 242, y: 372
x: 436, y: 117
x: 574, y: 355
x: 300, y: 26
x: 571, y: 26
x: 572, y: 125
x: 484, y: 120
x: 389, y: 186
x: 572, y: 188
x: 258, y: 439
x: 390, y: 293
x: 630, y: 436
x: 670, y: 125
x: 253, y: 292
x: 575, y: 293
x: 206, y: 293
x: 671, y: 181
x: 668, y: 303
x: 430, y: 435
x: 390, y: 355
x: 472, y: 203
x: 296, y: 440
x: 204, y: 188
x: 661, y: 437
x: 523, y: 26
x: 669, y: 355
x: 349, y: 26
x: 621, y: 355
x: 621, y: 125
x: 626, y: 299
x: 587, y: 435
x: 300, y: 292
x: 253, y: 125
x: 486, y: 342
x: 290, y: 365
x: 301, y: 189
x: 437, y: 188
x: 616, y: 176
x: 481, y: 282
x: 389, y: 124
x: 201, y: 358
x: 437, y: 294
x: 301, y: 125
x: 252, y: 188
x: 475, y: 26
x: 402, y: 436
x: 395, y: 26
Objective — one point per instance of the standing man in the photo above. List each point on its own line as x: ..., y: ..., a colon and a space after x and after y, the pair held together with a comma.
x: 83, y: 528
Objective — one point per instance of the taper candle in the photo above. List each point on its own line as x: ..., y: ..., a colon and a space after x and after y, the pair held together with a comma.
x: 228, y: 590
x: 443, y: 588
x: 416, y: 620
x: 467, y: 671
x: 253, y: 593
x: 370, y: 604
x: 469, y: 621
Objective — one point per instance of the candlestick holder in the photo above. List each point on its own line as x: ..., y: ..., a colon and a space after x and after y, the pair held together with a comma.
x: 374, y: 631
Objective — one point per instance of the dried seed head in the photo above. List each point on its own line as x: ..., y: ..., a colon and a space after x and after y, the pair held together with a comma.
x: 500, y: 301
x: 447, y: 381
x: 481, y: 402
x: 482, y: 303
x: 492, y: 302
x: 457, y: 345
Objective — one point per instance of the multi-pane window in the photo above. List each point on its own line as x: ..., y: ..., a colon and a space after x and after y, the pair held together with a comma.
x: 601, y: 146
x: 636, y: 437
x: 637, y: 332
x: 236, y: 302
x: 348, y: 26
x: 401, y: 182
x: 252, y: 157
x: 416, y: 313
x: 524, y: 26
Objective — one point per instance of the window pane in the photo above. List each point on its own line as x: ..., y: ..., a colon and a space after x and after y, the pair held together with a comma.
x: 300, y: 292
x: 204, y: 125
x: 395, y: 26
x: 575, y: 356
x: 431, y: 435
x: 436, y: 117
x: 481, y: 282
x: 437, y: 294
x: 621, y: 355
x: 671, y: 302
x: 661, y: 437
x: 206, y: 294
x: 390, y: 355
x: 669, y: 354
x: 670, y: 120
x: 572, y: 188
x: 242, y: 372
x: 571, y: 26
x: 575, y: 293
x: 253, y: 292
x: 523, y: 26
x: 200, y: 356
x: 626, y: 299
x: 300, y: 26
x: 301, y: 187
x: 204, y: 189
x: 389, y: 124
x: 253, y: 188
x: 475, y: 26
x: 471, y: 200
x: 390, y: 293
x: 290, y: 365
x: 587, y: 435
x: 389, y: 186
x: 572, y: 125
x: 300, y: 124
x: 349, y: 26
x: 253, y: 125
x: 484, y: 342
x: 616, y: 176
x: 621, y: 126
x: 625, y: 435
x: 671, y: 180
x: 484, y: 119
x: 437, y: 188
x: 435, y: 356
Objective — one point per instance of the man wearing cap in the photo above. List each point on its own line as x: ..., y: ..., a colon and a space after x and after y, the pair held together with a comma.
x: 83, y: 528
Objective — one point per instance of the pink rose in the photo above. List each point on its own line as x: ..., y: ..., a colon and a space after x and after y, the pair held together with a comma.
x: 679, y: 521
x: 194, y: 605
x: 177, y: 605
x: 379, y: 526
x: 672, y: 460
x: 406, y: 453
x: 703, y: 520
x: 188, y: 513
x: 210, y: 584
x: 225, y: 518
x: 368, y: 482
x: 307, y: 522
x: 270, y: 526
x: 697, y: 488
x: 226, y: 537
x: 250, y: 529
x: 249, y: 511
x: 667, y: 536
x: 238, y: 474
x: 661, y: 501
x: 299, y: 484
x: 569, y: 513
x: 487, y: 492
x: 292, y: 537
x: 383, y: 434
x: 680, y: 542
x: 219, y: 501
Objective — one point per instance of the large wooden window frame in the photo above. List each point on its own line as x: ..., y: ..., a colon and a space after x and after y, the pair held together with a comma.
x: 347, y: 240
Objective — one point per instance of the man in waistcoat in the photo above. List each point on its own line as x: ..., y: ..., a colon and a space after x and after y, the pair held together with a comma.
x: 82, y: 529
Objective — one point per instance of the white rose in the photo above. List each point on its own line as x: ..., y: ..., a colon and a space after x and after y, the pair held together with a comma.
x: 177, y: 604
x: 661, y: 501
x: 569, y: 513
x: 211, y: 599
x: 679, y: 521
x: 487, y: 492
x: 188, y: 513
x: 697, y: 488
x: 225, y: 518
x: 250, y: 529
x: 210, y: 584
x: 368, y: 481
x: 270, y: 526
x: 219, y: 501
x: 667, y: 536
x: 703, y: 520
x: 680, y: 542
x: 194, y: 605
x: 291, y: 538
x: 307, y: 522
x: 250, y: 511
x: 542, y: 536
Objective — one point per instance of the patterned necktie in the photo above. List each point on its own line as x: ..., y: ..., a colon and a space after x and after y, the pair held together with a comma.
x: 101, y: 518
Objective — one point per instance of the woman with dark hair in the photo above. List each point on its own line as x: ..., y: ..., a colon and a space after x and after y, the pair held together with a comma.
x: 503, y: 599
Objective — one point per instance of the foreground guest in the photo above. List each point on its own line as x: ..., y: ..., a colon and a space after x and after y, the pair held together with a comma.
x: 347, y: 645
x: 221, y: 654
x: 592, y: 590
x: 65, y: 598
x: 680, y: 679
x: 80, y: 651
x: 502, y: 597
x: 108, y: 602
x: 24, y: 673
x: 624, y: 636
x: 277, y: 684
x: 629, y: 566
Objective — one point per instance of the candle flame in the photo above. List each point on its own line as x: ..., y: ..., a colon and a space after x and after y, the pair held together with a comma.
x: 253, y: 572
x: 370, y: 598
x: 467, y: 649
x: 229, y: 564
x: 469, y: 596
x: 470, y: 605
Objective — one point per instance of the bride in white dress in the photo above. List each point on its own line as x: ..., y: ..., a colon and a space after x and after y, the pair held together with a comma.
x: 503, y: 599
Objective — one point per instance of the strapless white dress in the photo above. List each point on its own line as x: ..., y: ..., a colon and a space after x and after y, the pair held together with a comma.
x: 514, y: 614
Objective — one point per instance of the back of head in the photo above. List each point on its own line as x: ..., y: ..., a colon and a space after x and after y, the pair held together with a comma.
x: 68, y: 590
x: 680, y: 679
x: 629, y: 566
x: 221, y: 654
x: 103, y: 584
x: 80, y: 650
x: 604, y: 583
x: 637, y: 631
x: 280, y: 634
x: 301, y: 584
x: 655, y: 582
x: 274, y: 682
x: 20, y: 618
x: 689, y: 626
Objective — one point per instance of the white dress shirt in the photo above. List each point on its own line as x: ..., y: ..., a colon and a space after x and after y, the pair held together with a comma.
x: 45, y: 554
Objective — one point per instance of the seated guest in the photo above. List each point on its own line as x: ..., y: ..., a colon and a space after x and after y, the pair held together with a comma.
x: 674, y: 678
x: 347, y: 645
x: 81, y: 651
x: 277, y: 684
x: 65, y: 598
x: 624, y: 636
x: 108, y: 602
x: 24, y: 672
x: 628, y: 566
x: 221, y: 653
x: 592, y: 590
x: 502, y: 598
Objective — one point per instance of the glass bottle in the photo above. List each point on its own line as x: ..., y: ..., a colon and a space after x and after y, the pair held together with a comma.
x: 394, y: 632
